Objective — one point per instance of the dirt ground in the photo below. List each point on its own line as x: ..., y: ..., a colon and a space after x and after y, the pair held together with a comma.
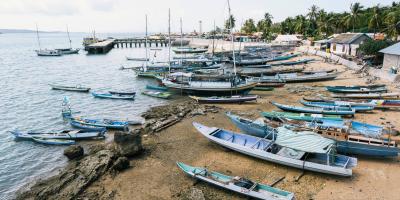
x: 154, y: 174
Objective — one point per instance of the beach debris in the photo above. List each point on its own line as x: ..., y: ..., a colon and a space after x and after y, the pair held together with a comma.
x: 121, y: 164
x: 196, y: 194
x: 301, y: 89
x: 128, y: 143
x: 73, y: 152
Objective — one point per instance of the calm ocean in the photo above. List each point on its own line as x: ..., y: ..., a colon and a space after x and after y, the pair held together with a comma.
x: 28, y: 104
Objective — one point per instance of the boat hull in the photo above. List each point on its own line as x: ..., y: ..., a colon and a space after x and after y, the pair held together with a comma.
x: 346, y: 147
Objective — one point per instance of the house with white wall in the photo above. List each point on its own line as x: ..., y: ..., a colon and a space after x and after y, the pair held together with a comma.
x: 391, y: 57
x: 347, y: 43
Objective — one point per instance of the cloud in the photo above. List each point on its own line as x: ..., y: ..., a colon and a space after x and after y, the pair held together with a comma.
x: 102, y: 5
x: 43, y: 7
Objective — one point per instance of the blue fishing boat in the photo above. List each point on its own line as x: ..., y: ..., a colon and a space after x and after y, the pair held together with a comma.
x: 256, y: 128
x: 299, y: 116
x: 48, y: 141
x: 328, y: 111
x: 338, y: 105
x: 113, y: 96
x: 357, y: 89
x: 65, y: 135
x: 111, y: 124
x: 356, y: 138
x: 236, y: 184
x: 155, y: 87
x: 305, y: 150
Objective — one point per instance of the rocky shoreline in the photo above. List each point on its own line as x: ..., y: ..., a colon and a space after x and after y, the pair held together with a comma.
x: 109, y: 159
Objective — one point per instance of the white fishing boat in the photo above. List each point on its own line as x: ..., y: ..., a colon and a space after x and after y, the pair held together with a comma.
x: 45, y: 52
x: 303, y: 150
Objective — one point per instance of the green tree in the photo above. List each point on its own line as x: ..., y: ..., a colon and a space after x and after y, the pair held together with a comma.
x: 375, y: 21
x: 249, y: 27
x: 392, y: 22
x: 264, y: 26
x: 230, y: 23
x: 372, y: 47
x: 354, y: 15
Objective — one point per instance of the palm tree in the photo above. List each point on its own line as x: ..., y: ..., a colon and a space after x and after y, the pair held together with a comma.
x: 325, y: 22
x: 392, y: 21
x: 375, y: 20
x: 268, y: 19
x: 354, y: 15
x: 313, y: 13
x: 300, y: 24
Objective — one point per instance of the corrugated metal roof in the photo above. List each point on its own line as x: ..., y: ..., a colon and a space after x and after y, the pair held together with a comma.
x: 347, y: 38
x: 286, y: 38
x: 306, y: 141
x: 394, y: 49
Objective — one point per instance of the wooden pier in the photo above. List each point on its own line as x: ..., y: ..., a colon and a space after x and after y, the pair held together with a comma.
x: 139, y: 42
x: 100, y: 47
x: 106, y: 45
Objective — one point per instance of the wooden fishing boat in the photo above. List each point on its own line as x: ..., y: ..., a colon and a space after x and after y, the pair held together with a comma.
x: 189, y: 50
x: 356, y: 89
x: 297, y: 62
x: 299, y: 116
x: 312, y: 152
x: 66, y: 134
x: 377, y: 103
x: 77, y: 88
x: 255, y: 128
x: 226, y: 99
x: 136, y: 59
x: 155, y: 87
x: 275, y: 85
x: 338, y: 105
x: 236, y: 184
x: 48, y: 52
x: 126, y: 92
x: 369, y: 96
x: 328, y: 111
x: 162, y: 95
x: 67, y: 51
x: 351, y: 139
x: 113, y: 96
x: 49, y: 141
x: 106, y: 123
x: 207, y: 88
x: 269, y: 71
x: 263, y: 88
x: 261, y: 61
x: 295, y: 77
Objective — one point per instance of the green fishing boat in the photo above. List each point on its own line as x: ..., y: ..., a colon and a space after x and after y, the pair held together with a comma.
x: 263, y: 88
x: 162, y: 95
x: 299, y: 116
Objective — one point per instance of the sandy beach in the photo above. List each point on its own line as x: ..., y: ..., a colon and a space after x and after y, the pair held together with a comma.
x: 154, y: 174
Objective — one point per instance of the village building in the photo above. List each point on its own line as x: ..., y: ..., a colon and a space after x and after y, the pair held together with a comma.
x: 391, y: 58
x: 287, y: 40
x: 347, y: 43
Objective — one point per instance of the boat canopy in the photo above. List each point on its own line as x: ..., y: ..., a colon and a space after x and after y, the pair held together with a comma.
x: 182, y: 74
x: 306, y: 141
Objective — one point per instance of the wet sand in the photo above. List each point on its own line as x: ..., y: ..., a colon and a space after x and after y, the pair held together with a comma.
x: 154, y: 174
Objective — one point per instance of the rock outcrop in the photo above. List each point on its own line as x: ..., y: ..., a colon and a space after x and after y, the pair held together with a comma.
x: 128, y: 144
x: 73, y: 152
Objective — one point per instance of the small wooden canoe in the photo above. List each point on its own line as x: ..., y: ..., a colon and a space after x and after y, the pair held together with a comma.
x: 228, y: 99
x: 236, y: 184
x: 162, y: 95
x: 300, y: 116
x: 393, y: 95
x: 77, y: 88
x: 263, y: 88
x: 155, y: 87
x: 90, y: 124
x: 315, y: 110
x: 113, y: 96
x: 53, y: 141
x: 63, y: 135
x: 127, y: 92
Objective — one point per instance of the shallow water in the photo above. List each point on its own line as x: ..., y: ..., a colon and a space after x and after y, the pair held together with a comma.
x: 28, y: 104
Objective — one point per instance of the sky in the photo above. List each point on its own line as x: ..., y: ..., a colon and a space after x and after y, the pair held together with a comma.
x: 129, y: 15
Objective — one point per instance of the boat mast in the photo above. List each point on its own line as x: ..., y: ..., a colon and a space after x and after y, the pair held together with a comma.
x: 69, y: 38
x: 213, y: 41
x: 146, y: 44
x: 181, y: 39
x: 38, y: 39
x: 169, y: 40
x: 233, y: 44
